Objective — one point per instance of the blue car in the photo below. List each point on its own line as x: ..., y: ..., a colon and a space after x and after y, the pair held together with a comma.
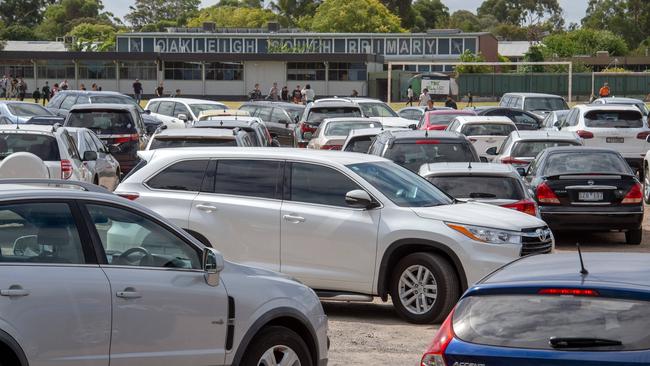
x: 543, y: 311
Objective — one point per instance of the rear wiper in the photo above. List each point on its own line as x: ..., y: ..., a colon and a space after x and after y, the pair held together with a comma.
x: 481, y: 195
x: 582, y: 342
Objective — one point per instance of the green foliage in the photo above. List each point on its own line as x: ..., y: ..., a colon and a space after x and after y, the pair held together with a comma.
x: 27, y: 13
x: 18, y: 32
x: 534, y: 54
x: 584, y: 42
x: 93, y: 37
x: 349, y: 16
x: 628, y: 18
x: 464, y: 20
x: 294, y: 10
x: 146, y: 12
x: 403, y: 9
x: 510, y: 32
x: 62, y: 16
x: 236, y: 17
x: 468, y: 56
x: 159, y: 26
x: 429, y: 14
x: 523, y: 12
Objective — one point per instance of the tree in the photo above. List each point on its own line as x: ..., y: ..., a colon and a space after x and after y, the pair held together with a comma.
x: 534, y: 54
x: 464, y: 20
x: 429, y: 14
x: 18, y: 32
x: 237, y: 17
x: 294, y: 10
x: 64, y: 15
x: 628, y: 18
x: 153, y: 11
x: 354, y: 16
x: 524, y: 12
x: 403, y: 9
x: 93, y: 37
x: 469, y: 56
x: 584, y: 42
x: 22, y: 12
x: 510, y: 32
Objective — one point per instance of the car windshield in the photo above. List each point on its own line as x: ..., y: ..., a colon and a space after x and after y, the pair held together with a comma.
x: 377, y: 110
x: 28, y: 110
x: 412, y: 155
x: 642, y: 107
x: 343, y: 128
x: 614, y: 119
x: 318, y: 114
x: 43, y: 146
x: 102, y: 121
x: 479, y: 187
x: 487, y: 129
x: 360, y: 145
x: 567, y: 163
x: 552, y: 118
x: 162, y: 142
x: 442, y: 119
x: 530, y: 149
x: 115, y: 99
x: 544, y: 104
x: 198, y: 108
x: 529, y: 321
x: 404, y: 188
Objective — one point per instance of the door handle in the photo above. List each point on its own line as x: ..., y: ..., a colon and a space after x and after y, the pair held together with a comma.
x: 14, y: 291
x: 293, y: 219
x: 129, y: 293
x: 206, y: 208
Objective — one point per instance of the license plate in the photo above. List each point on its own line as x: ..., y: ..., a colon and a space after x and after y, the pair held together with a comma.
x: 590, y: 196
x: 615, y: 140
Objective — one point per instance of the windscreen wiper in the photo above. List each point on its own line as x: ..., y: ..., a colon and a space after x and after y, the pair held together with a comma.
x: 582, y: 342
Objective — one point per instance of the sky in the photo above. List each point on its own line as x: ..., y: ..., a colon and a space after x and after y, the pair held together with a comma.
x: 574, y: 9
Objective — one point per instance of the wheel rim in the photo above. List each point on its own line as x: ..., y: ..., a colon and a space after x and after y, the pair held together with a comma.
x: 279, y: 356
x: 646, y: 187
x: 418, y: 289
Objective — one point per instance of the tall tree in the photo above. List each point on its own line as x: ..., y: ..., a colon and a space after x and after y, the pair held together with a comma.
x: 63, y: 15
x: 524, y: 12
x: 429, y: 14
x: 403, y: 9
x: 464, y: 20
x: 628, y: 18
x: 93, y: 37
x: 146, y: 12
x: 584, y: 42
x: 234, y: 17
x: 22, y: 12
x: 293, y: 10
x: 354, y: 16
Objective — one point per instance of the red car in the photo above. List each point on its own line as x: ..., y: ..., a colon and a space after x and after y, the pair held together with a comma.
x: 439, y: 119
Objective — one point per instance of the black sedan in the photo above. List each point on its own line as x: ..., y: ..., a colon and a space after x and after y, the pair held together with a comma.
x: 524, y: 120
x: 587, y: 189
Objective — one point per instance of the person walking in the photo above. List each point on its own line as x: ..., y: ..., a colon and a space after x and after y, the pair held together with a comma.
x: 274, y: 93
x: 64, y: 85
x: 55, y: 89
x: 605, y: 91
x: 451, y: 103
x: 13, y: 88
x: 137, y: 91
x: 285, y: 94
x: 46, y: 92
x: 354, y: 94
x: 409, y: 96
x: 177, y: 94
x: 256, y: 94
x: 470, y: 99
x: 160, y: 90
x: 3, y: 86
x: 308, y: 94
x: 22, y: 88
x: 424, y: 98
x: 297, y: 95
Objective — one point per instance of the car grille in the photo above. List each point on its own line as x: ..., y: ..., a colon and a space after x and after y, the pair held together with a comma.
x: 536, y: 241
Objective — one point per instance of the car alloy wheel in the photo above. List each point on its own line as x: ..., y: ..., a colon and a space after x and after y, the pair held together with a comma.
x: 279, y: 356
x: 418, y: 289
x: 646, y: 188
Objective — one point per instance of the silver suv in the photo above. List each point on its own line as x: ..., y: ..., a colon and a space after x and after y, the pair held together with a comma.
x: 87, y: 277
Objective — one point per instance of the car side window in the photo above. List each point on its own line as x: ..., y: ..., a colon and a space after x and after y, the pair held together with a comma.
x: 183, y: 176
x: 250, y: 178
x: 83, y: 100
x: 249, y: 108
x: 69, y: 102
x: 43, y: 232
x: 180, y: 108
x: 517, y: 102
x: 88, y: 144
x: 264, y: 113
x: 70, y: 145
x: 521, y: 117
x: 130, y: 239
x: 153, y: 107
x: 571, y: 119
x: 166, y: 108
x: 318, y: 184
x: 505, y: 144
x: 278, y: 115
x: 56, y: 101
x: 100, y: 145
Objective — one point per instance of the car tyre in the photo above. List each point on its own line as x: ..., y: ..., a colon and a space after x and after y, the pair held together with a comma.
x: 634, y: 237
x: 427, y: 293
x: 646, y: 188
x: 278, y: 344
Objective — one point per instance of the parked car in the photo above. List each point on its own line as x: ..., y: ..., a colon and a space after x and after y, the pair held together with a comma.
x: 316, y: 112
x: 181, y: 112
x: 119, y: 126
x: 541, y: 310
x: 375, y: 109
x: 253, y: 125
x: 332, y: 132
x: 624, y: 101
x: 416, y: 113
x: 200, y: 137
x: 554, y: 119
x: 411, y: 149
x: 45, y: 120
x: 54, y: 145
x: 587, y: 189
x: 353, y: 226
x: 617, y: 127
x: 522, y: 119
x: 120, y: 282
x: 483, y: 132
x: 537, y: 103
x: 361, y: 139
x: 280, y: 118
x: 103, y: 168
x: 14, y: 112
x: 521, y: 147
x: 495, y: 184
x: 217, y: 113
x: 439, y: 120
x: 64, y: 100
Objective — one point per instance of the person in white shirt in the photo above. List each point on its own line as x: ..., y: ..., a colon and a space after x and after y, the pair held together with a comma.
x: 424, y: 98
x: 273, y: 93
x: 308, y: 94
x: 409, y: 95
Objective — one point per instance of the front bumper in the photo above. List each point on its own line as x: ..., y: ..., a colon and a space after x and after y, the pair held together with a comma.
x: 592, y: 218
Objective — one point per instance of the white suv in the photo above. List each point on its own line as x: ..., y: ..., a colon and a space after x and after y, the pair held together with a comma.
x: 181, y: 112
x: 484, y: 132
x: 351, y: 226
x: 88, y: 277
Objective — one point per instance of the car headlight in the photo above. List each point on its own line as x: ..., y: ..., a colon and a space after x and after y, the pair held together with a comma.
x: 486, y: 234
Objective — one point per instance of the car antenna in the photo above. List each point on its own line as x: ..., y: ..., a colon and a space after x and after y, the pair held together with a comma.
x: 426, y: 134
x: 470, y: 165
x: 583, y: 270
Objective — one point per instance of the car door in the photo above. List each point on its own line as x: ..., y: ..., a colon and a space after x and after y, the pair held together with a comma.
x: 106, y: 165
x: 69, y: 101
x: 180, y: 108
x: 163, y: 310
x: 238, y: 210
x: 54, y: 298
x: 165, y: 112
x: 325, y: 243
x: 281, y: 126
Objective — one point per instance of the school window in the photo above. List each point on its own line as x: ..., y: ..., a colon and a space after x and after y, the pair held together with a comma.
x: 55, y: 70
x: 410, y: 67
x: 183, y: 70
x: 224, y: 71
x: 93, y: 70
x: 18, y: 69
x: 312, y: 71
x: 138, y: 70
x: 345, y: 71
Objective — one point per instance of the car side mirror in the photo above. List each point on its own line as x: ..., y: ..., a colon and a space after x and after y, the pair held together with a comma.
x: 213, y: 264
x: 147, y: 111
x: 491, y: 151
x: 413, y: 127
x: 483, y: 159
x: 90, y: 156
x: 182, y: 117
x: 522, y: 172
x: 151, y: 129
x: 358, y: 198
x: 284, y: 121
x: 557, y: 125
x: 647, y: 139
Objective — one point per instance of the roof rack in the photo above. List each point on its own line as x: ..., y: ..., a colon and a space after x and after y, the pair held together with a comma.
x: 88, y: 187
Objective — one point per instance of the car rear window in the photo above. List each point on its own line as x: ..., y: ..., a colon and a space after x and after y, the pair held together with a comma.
x: 344, y: 128
x: 377, y: 110
x: 487, y: 129
x: 585, y: 163
x: 360, y: 145
x: 166, y: 142
x: 102, y: 121
x: 443, y: 119
x: 115, y: 99
x: 544, y: 104
x: 479, y: 187
x: 614, y: 119
x: 529, y: 321
x: 198, y: 108
x: 318, y: 114
x: 530, y: 149
x: 412, y: 155
x: 26, y: 109
x: 43, y: 146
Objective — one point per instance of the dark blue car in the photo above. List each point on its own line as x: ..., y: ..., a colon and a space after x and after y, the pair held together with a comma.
x: 542, y: 311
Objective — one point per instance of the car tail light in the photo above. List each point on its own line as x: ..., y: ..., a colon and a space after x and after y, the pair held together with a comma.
x: 66, y: 169
x: 643, y: 135
x: 427, y: 142
x: 126, y: 138
x: 585, y: 134
x: 526, y: 206
x: 568, y: 291
x: 331, y: 147
x: 131, y: 196
x: 304, y: 127
x: 545, y: 195
x: 437, y: 127
x: 511, y: 160
x: 634, y: 195
x: 435, y: 353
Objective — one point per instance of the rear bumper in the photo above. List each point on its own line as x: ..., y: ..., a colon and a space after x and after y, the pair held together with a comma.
x: 592, y: 219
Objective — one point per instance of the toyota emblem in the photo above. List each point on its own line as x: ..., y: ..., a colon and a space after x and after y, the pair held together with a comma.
x: 590, y: 182
x: 542, y: 234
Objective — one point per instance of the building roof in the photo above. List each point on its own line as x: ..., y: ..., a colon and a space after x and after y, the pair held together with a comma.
x: 514, y: 48
x: 27, y: 46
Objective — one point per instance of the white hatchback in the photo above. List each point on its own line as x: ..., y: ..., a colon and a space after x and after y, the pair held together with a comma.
x: 484, y: 132
x: 181, y: 112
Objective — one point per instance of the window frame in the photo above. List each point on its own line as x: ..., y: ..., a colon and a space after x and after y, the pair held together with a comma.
x: 213, y: 168
x: 145, y: 181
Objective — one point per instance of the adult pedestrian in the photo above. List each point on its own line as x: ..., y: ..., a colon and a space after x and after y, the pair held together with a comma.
x: 256, y: 94
x: 55, y: 89
x: 36, y: 95
x: 13, y: 87
x: 274, y: 93
x: 82, y: 87
x: 46, y: 92
x: 605, y: 91
x: 451, y: 103
x: 94, y: 87
x: 297, y: 95
x: 430, y: 106
x: 137, y: 91
x: 470, y: 99
x: 409, y: 96
x: 355, y: 93
x: 64, y: 85
x: 22, y: 89
x: 424, y: 98
x: 285, y: 94
x: 160, y: 90
x: 3, y: 85
x: 308, y: 94
x: 177, y: 94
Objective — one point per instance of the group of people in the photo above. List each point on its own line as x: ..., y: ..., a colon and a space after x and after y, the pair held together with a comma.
x: 298, y: 95
x: 13, y: 87
x: 425, y: 100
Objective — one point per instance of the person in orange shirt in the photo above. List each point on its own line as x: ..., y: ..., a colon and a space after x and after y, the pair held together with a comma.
x: 605, y: 91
